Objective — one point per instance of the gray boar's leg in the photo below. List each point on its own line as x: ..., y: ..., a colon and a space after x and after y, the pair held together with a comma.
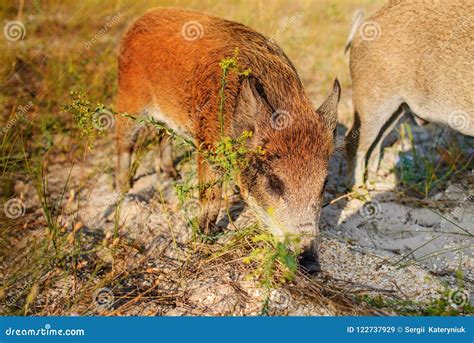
x: 374, y: 160
x: 369, y: 121
x: 352, y: 142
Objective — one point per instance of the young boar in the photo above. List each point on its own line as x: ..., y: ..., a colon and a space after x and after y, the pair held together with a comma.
x: 410, y: 57
x: 169, y: 69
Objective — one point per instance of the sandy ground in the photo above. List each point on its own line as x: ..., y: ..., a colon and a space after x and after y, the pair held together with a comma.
x: 424, y: 231
x: 390, y: 246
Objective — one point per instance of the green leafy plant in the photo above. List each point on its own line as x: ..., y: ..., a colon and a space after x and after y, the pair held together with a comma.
x: 227, y: 65
x: 270, y: 255
x: 231, y: 155
x: 440, y: 306
x: 87, y: 116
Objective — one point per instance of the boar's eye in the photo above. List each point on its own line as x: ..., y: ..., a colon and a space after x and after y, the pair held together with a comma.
x: 275, y: 185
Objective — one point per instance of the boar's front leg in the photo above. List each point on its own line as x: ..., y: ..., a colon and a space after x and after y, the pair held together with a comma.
x: 125, y: 148
x: 210, y: 194
x: 165, y: 160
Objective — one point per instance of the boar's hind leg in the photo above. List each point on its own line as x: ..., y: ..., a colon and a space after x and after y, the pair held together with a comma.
x: 210, y: 194
x: 374, y: 160
x: 352, y: 142
x: 123, y: 179
x: 370, y: 127
x: 165, y: 160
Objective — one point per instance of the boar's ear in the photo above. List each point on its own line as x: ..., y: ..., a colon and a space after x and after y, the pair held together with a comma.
x: 328, y: 109
x: 250, y: 108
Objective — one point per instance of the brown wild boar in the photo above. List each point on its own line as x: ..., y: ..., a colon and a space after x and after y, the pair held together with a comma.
x: 169, y: 69
x: 410, y: 57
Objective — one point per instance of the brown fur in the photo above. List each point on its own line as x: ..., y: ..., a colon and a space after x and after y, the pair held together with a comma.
x: 158, y: 67
x: 421, y: 63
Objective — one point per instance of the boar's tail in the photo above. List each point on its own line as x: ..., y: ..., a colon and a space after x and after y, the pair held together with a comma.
x: 358, y: 17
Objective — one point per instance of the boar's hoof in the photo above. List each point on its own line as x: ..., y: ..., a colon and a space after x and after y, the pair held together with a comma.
x: 209, y: 228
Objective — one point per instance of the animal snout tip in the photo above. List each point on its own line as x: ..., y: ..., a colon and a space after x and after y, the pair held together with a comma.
x: 309, y: 262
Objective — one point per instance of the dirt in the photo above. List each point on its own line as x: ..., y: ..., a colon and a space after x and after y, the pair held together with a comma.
x: 391, y: 246
x: 433, y: 233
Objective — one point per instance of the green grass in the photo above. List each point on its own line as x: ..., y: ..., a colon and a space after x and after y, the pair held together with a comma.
x: 438, y: 307
x: 424, y: 172
x: 451, y: 302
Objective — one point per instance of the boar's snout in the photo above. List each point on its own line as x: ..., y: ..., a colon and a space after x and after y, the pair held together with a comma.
x: 308, y: 247
x: 308, y: 234
x: 309, y: 261
x: 297, y: 226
